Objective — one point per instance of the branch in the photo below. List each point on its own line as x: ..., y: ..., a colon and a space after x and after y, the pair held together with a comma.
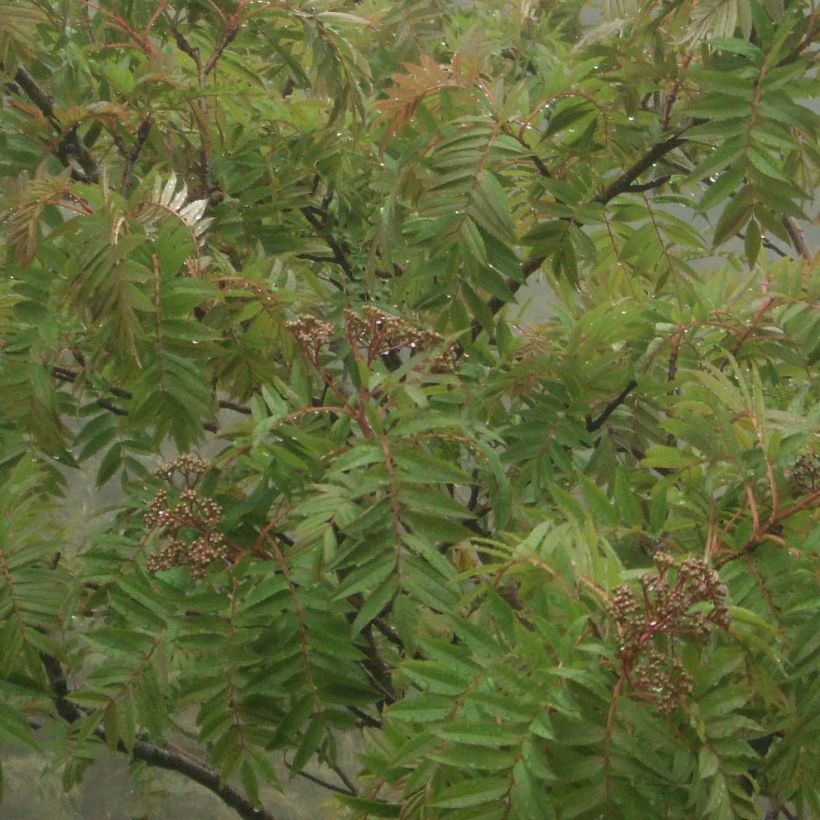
x: 763, y: 533
x: 622, y: 185
x: 324, y: 783
x: 647, y: 186
x: 797, y: 237
x: 227, y: 37
x: 237, y: 408
x: 750, y: 328
x: 69, y: 376
x: 625, y: 180
x: 131, y: 157
x: 188, y: 49
x: 344, y: 778
x: 312, y: 213
x: 152, y: 754
x: 111, y: 407
x: 70, y: 145
x: 595, y: 424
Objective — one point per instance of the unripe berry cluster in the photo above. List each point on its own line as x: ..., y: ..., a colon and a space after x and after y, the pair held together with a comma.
x: 670, y: 606
x: 188, y: 530
x: 377, y: 333
x: 310, y: 332
x: 662, y: 679
x: 382, y: 332
x: 188, y: 467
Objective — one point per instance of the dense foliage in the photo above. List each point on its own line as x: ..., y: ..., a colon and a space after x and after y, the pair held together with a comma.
x: 541, y: 569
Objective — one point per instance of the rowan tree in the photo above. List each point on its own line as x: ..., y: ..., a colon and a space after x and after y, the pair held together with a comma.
x: 456, y: 364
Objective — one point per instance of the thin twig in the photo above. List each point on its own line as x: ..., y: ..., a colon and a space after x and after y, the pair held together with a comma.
x: 324, y: 783
x: 345, y: 779
x: 797, y: 237
x: 766, y: 530
x: 227, y: 37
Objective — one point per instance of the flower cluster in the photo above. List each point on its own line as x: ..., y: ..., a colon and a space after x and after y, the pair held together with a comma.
x: 678, y: 600
x: 188, y: 529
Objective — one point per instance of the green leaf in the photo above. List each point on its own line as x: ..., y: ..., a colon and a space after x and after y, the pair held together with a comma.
x: 420, y: 466
x: 504, y: 337
x: 422, y: 708
x: 471, y: 242
x: 308, y: 745
x: 374, y: 603
x: 110, y: 464
x: 367, y: 576
x: 736, y: 46
x: 752, y: 242
x: 734, y: 216
x: 14, y: 728
x: 658, y: 507
x: 435, y: 679
x: 670, y: 458
x: 479, y: 734
x: 479, y: 792
x: 371, y: 808
x: 490, y: 208
x: 597, y: 501
x: 629, y: 506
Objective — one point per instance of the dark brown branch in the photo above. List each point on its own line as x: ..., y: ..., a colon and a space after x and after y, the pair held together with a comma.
x: 364, y: 718
x: 70, y: 147
x: 227, y: 38
x: 340, y: 773
x: 111, y: 407
x: 350, y: 787
x: 188, y: 49
x: 325, y: 784
x: 131, y: 157
x: 201, y: 106
x: 625, y: 180
x: 540, y: 165
x: 312, y: 215
x: 59, y: 686
x: 315, y: 257
x: 64, y: 374
x: 622, y: 185
x: 68, y: 376
x: 767, y: 243
x: 647, y: 186
x: 198, y: 772
x: 237, y: 408
x: 595, y: 424
x: 388, y: 633
x: 150, y: 753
